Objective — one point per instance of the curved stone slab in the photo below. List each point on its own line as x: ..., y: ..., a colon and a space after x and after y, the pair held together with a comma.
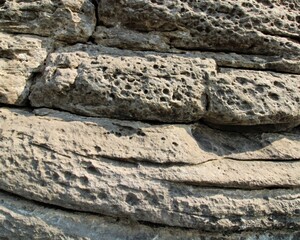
x: 70, y: 21
x: 31, y: 220
x: 110, y: 188
x: 138, y: 142
x: 257, y: 27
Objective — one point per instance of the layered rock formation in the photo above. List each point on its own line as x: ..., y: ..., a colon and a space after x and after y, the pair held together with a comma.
x: 149, y: 119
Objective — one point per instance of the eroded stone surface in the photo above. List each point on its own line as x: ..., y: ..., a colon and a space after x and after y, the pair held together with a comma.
x: 45, y: 159
x: 121, y: 189
x: 106, y: 82
x: 135, y: 141
x: 129, y: 39
x: 21, y: 56
x: 71, y: 21
x: 22, y: 219
x: 247, y: 97
x: 259, y: 27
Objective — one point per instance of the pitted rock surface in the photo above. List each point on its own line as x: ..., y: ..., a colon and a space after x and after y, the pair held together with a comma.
x: 149, y: 119
x: 96, y: 81
x: 258, y: 27
x: 42, y: 168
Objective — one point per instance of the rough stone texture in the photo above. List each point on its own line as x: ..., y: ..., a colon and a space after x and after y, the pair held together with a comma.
x: 138, y: 142
x: 105, y: 82
x: 247, y: 97
x: 21, y: 219
x: 257, y: 27
x: 218, y: 86
x: 97, y: 81
x: 65, y: 20
x: 37, y: 164
x: 21, y: 57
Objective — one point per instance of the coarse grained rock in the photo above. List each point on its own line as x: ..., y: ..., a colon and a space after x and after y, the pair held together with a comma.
x: 220, y: 195
x: 23, y: 219
x: 256, y: 27
x: 21, y: 57
x: 97, y: 81
x: 140, y: 142
x: 65, y: 20
x: 106, y: 82
x: 123, y: 38
x: 247, y: 97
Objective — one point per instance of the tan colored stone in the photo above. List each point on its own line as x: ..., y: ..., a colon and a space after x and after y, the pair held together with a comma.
x: 139, y: 142
x: 21, y: 56
x: 96, y: 81
x: 153, y: 41
x: 69, y: 161
x: 257, y: 27
x: 247, y: 97
x: 65, y: 20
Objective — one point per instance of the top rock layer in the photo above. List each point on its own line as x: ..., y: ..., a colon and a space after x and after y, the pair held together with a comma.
x: 258, y: 27
x: 70, y: 21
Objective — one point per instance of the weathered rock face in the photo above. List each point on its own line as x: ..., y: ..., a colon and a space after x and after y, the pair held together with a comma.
x: 52, y: 164
x: 20, y: 219
x: 258, y: 27
x: 70, y: 21
x: 171, y: 119
x: 21, y: 57
x: 97, y: 81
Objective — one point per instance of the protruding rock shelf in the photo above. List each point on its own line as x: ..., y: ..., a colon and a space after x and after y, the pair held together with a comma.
x: 123, y: 169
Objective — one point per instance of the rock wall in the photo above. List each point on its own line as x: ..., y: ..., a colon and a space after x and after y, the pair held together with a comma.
x: 149, y: 119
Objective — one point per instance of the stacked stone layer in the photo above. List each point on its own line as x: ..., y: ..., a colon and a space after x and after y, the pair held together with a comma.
x: 183, y: 114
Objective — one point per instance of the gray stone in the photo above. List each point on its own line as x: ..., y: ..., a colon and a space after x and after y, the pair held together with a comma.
x: 65, y: 20
x: 23, y: 219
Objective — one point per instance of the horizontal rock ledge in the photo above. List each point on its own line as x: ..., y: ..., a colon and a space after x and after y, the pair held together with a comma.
x: 27, y: 219
x: 139, y: 142
x: 105, y: 82
x: 45, y: 159
x: 238, y: 26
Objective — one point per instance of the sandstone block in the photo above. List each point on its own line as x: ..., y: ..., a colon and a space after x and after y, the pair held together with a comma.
x: 247, y: 97
x: 106, y: 82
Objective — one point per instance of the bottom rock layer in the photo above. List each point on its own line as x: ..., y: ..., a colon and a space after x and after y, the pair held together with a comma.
x: 23, y: 219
